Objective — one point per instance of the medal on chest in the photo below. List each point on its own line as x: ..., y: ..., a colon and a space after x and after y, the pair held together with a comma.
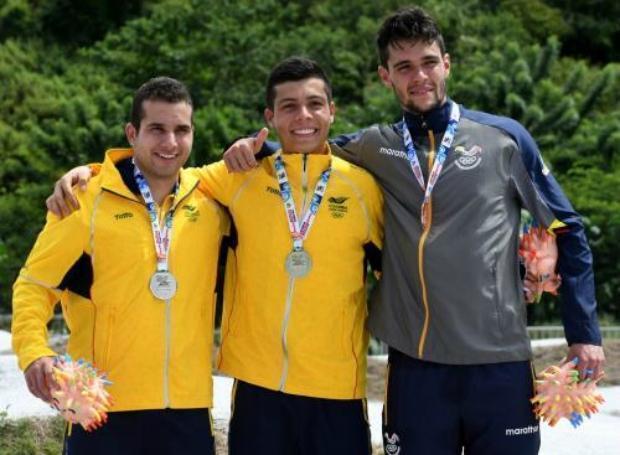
x: 298, y: 263
x: 162, y: 284
x: 437, y: 166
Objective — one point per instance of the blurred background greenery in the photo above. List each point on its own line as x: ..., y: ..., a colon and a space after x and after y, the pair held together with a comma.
x: 68, y: 70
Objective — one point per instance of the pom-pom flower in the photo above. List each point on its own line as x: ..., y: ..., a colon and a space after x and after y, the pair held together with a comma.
x: 80, y: 395
x: 560, y: 394
x: 539, y: 252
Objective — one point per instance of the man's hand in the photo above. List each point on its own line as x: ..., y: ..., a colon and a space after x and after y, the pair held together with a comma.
x: 62, y: 201
x: 591, y: 359
x: 240, y: 156
x: 532, y: 288
x: 529, y: 288
x: 39, y: 378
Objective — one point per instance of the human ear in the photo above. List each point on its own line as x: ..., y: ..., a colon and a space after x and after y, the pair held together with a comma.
x: 130, y: 133
x: 384, y: 75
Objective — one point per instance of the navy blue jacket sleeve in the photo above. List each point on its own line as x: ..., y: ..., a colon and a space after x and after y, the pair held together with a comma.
x: 350, y: 147
x: 575, y: 258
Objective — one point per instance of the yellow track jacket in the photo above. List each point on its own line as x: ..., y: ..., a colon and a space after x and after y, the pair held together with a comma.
x: 98, y: 262
x: 303, y: 336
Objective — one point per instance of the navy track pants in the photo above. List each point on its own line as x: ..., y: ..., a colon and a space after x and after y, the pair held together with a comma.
x: 438, y: 409
x: 152, y: 432
x: 266, y: 422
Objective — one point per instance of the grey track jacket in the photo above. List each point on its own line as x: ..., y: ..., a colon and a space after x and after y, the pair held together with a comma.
x: 453, y: 294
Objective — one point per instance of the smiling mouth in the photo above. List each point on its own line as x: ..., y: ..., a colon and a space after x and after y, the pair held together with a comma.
x: 167, y: 156
x: 421, y: 91
x: 304, y: 132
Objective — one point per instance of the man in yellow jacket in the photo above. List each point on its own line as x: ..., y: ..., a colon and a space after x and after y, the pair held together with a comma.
x: 135, y: 271
x: 294, y: 335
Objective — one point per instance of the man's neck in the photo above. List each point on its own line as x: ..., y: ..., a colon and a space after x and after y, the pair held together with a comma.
x: 161, y: 188
x: 417, y: 112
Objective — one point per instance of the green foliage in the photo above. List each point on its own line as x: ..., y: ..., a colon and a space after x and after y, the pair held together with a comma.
x: 17, y: 19
x: 54, y: 114
x: 36, y: 436
x: 69, y: 22
x: 539, y: 19
x: 593, y: 32
x: 65, y: 100
x: 596, y: 192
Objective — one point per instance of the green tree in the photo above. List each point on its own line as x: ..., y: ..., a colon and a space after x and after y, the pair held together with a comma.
x: 593, y: 31
x: 64, y: 100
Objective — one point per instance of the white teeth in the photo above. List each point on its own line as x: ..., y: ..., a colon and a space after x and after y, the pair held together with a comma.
x: 304, y: 131
x: 166, y: 157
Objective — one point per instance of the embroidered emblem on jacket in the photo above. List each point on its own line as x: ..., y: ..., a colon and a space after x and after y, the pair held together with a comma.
x: 272, y: 190
x: 123, y: 216
x: 191, y: 213
x: 468, y: 159
x: 337, y: 206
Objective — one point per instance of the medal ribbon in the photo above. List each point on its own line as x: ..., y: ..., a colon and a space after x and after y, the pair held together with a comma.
x: 299, y: 232
x: 162, y: 235
x: 442, y: 154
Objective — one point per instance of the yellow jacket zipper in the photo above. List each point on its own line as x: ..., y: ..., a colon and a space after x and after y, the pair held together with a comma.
x: 291, y: 281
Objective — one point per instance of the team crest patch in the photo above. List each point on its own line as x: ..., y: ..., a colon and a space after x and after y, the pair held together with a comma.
x: 337, y: 206
x: 191, y: 212
x: 468, y: 159
x: 391, y: 443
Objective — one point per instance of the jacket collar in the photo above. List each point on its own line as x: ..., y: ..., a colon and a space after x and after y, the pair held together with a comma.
x: 117, y: 176
x: 435, y: 120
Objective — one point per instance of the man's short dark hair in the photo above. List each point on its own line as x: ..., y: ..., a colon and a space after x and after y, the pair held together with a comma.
x: 294, y: 69
x: 160, y: 88
x: 410, y: 24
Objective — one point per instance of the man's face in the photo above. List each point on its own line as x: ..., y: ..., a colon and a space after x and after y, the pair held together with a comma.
x: 164, y: 141
x: 417, y: 72
x: 302, y: 115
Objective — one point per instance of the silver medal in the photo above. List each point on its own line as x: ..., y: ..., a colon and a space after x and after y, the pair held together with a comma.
x: 298, y: 263
x: 163, y: 285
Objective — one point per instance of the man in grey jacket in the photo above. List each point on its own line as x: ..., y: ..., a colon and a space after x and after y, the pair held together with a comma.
x: 450, y: 304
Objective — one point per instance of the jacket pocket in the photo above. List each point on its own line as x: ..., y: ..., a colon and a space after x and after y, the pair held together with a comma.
x: 496, y: 297
x: 353, y: 336
x: 103, y: 341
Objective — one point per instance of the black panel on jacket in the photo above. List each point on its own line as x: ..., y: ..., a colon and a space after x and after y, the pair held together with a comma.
x: 79, y: 278
x: 228, y: 242
x: 126, y: 168
x: 373, y: 256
